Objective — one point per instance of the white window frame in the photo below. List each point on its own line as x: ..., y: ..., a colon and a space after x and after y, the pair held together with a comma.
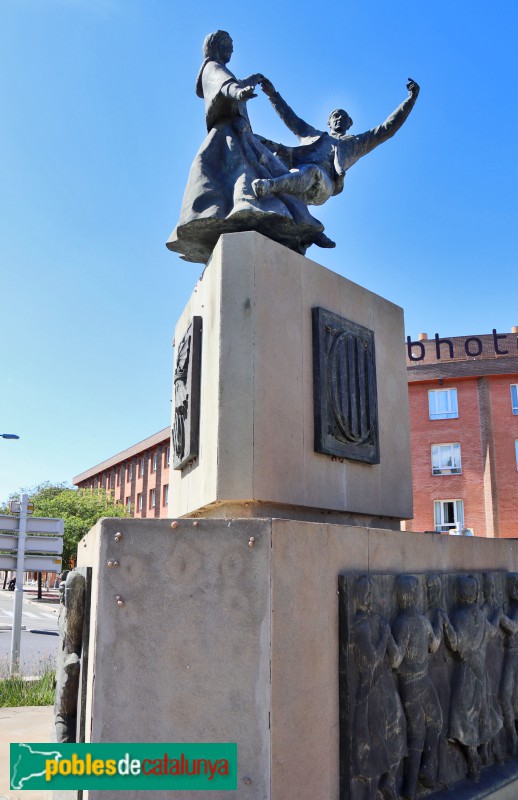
x: 130, y: 471
x: 167, y: 456
x: 452, y: 405
x: 165, y: 494
x: 514, y: 398
x: 152, y: 498
x: 439, y: 518
x: 128, y: 503
x: 154, y: 462
x: 444, y: 452
x: 139, y: 502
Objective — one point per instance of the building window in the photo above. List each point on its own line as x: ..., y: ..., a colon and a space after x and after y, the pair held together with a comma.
x: 139, y: 501
x: 442, y: 404
x: 165, y: 494
x: 446, y: 459
x: 118, y: 477
x: 128, y: 504
x: 141, y: 467
x: 154, y: 462
x: 514, y: 397
x: 152, y: 498
x: 107, y: 483
x: 167, y: 457
x: 448, y: 514
x: 130, y: 471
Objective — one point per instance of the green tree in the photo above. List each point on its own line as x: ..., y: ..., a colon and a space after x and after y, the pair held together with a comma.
x: 80, y: 508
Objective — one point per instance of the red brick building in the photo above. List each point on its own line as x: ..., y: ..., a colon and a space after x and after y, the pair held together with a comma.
x: 463, y: 395
x: 138, y: 477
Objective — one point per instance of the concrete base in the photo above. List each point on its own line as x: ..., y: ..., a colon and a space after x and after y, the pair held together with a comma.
x: 229, y: 632
x: 255, y: 299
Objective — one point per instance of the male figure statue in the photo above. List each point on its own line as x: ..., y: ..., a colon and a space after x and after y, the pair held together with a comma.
x: 317, y: 168
x: 416, y: 639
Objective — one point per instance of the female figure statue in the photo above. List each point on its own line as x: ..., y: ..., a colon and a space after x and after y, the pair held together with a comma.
x: 219, y: 197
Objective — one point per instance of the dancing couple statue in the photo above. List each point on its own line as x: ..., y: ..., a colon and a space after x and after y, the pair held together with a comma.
x: 240, y: 181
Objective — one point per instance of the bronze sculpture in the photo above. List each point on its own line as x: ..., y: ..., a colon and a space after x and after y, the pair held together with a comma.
x: 317, y: 168
x: 240, y: 181
x: 219, y: 197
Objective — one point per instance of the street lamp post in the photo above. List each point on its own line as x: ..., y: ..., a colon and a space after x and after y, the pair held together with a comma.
x: 18, y: 591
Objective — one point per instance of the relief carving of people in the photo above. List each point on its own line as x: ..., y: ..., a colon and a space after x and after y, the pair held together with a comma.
x: 474, y: 717
x: 379, y: 723
x: 509, y: 686
x: 452, y: 649
x: 416, y: 638
x: 492, y: 608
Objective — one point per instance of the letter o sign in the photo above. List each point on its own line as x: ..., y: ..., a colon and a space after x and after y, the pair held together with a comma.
x: 478, y: 344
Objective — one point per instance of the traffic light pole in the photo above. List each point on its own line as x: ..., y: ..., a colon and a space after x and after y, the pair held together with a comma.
x: 18, y: 592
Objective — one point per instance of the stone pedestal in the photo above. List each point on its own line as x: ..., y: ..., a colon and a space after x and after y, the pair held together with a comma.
x: 256, y: 449
x: 224, y: 626
x: 219, y: 640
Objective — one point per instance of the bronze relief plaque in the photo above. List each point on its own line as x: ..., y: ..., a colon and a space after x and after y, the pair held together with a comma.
x: 344, y: 388
x: 186, y: 422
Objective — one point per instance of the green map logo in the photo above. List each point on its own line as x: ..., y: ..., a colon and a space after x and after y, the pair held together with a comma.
x: 198, y: 766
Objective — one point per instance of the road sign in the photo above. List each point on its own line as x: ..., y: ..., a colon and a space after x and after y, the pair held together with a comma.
x: 15, y: 507
x: 34, y: 525
x: 32, y: 563
x: 33, y: 544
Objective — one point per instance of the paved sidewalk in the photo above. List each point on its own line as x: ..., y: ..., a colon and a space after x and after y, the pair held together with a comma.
x: 25, y: 724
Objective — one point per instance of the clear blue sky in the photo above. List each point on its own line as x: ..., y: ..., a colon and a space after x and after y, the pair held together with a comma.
x: 99, y: 125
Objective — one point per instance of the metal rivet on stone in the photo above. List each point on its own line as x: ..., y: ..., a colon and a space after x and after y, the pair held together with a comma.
x: 195, y: 523
x: 120, y: 601
x: 251, y: 541
x: 118, y: 536
x: 115, y: 563
x: 248, y: 781
x: 109, y: 564
x: 174, y: 524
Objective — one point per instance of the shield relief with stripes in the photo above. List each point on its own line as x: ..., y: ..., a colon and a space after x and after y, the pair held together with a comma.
x: 344, y: 388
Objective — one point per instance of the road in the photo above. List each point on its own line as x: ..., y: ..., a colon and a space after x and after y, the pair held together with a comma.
x: 39, y: 640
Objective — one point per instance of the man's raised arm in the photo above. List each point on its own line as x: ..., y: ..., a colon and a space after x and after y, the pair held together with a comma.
x: 371, y: 139
x: 296, y: 125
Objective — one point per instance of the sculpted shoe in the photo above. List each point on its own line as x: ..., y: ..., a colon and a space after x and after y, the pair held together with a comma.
x: 262, y: 187
x: 321, y: 240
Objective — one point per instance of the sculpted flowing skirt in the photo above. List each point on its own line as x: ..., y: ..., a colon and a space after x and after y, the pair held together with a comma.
x: 219, y: 197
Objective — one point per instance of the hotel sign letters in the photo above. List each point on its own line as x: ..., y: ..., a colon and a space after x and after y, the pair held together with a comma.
x: 502, y: 345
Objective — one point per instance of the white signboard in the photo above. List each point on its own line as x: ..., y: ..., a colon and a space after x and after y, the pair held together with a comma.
x: 34, y: 524
x: 32, y: 563
x: 33, y: 544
